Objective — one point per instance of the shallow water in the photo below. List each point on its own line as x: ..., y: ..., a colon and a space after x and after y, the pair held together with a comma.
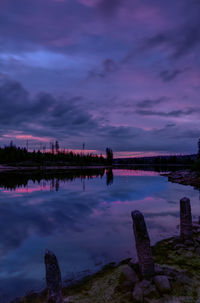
x: 85, y: 222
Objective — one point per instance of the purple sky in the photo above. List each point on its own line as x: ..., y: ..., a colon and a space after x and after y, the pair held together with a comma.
x: 118, y: 73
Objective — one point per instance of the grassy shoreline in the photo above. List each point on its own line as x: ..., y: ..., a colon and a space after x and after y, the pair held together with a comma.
x: 179, y: 262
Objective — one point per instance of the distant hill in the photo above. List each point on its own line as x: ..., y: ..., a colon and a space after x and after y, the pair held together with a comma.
x: 159, y: 160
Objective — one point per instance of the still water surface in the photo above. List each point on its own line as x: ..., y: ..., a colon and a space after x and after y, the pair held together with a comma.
x: 86, y: 222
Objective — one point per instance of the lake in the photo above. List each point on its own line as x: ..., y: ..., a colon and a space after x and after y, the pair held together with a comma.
x: 84, y: 218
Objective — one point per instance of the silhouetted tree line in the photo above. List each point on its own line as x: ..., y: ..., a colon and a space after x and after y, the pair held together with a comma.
x: 17, y: 155
x: 192, y: 160
x: 160, y: 160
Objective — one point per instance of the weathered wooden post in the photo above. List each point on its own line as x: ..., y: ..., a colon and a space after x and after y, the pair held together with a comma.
x: 185, y: 219
x: 53, y: 278
x: 143, y: 244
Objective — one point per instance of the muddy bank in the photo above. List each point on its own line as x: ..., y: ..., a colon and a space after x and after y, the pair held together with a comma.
x: 185, y: 177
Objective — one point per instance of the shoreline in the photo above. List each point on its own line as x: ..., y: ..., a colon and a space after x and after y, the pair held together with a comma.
x: 19, y: 168
x: 184, y: 177
x: 174, y: 259
x: 7, y: 168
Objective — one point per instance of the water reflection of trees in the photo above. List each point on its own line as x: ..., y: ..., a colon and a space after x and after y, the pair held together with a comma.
x: 109, y: 176
x: 13, y: 180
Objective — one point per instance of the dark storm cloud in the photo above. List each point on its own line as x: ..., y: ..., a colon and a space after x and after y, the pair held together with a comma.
x: 13, y: 100
x: 108, y: 66
x: 148, y: 103
x: 19, y: 110
x: 174, y: 113
x: 169, y: 75
x: 189, y: 133
x: 183, y: 36
x: 180, y: 42
x: 170, y: 125
x: 138, y: 139
x: 189, y: 39
x: 49, y: 23
x: 158, y: 39
x: 58, y: 24
x: 67, y: 119
x: 108, y: 8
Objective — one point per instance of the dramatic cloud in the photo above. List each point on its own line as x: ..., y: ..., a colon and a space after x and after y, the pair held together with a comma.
x: 108, y: 66
x: 150, y: 103
x: 44, y: 117
x: 174, y: 113
x: 180, y: 43
x: 42, y: 114
x: 167, y: 75
x: 109, y: 72
x: 109, y: 7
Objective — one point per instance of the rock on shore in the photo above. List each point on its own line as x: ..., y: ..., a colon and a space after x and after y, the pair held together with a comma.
x: 185, y: 177
x: 176, y: 279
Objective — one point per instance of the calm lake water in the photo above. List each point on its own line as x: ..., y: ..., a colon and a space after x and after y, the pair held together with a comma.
x: 86, y: 222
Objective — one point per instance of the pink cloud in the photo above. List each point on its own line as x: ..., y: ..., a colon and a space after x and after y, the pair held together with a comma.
x: 14, y: 135
x: 30, y: 137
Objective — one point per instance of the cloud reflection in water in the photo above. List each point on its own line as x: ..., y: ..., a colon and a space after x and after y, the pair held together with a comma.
x: 85, y: 228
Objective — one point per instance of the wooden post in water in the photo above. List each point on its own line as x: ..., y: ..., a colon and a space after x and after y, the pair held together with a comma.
x: 185, y: 219
x: 143, y: 245
x: 53, y: 278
